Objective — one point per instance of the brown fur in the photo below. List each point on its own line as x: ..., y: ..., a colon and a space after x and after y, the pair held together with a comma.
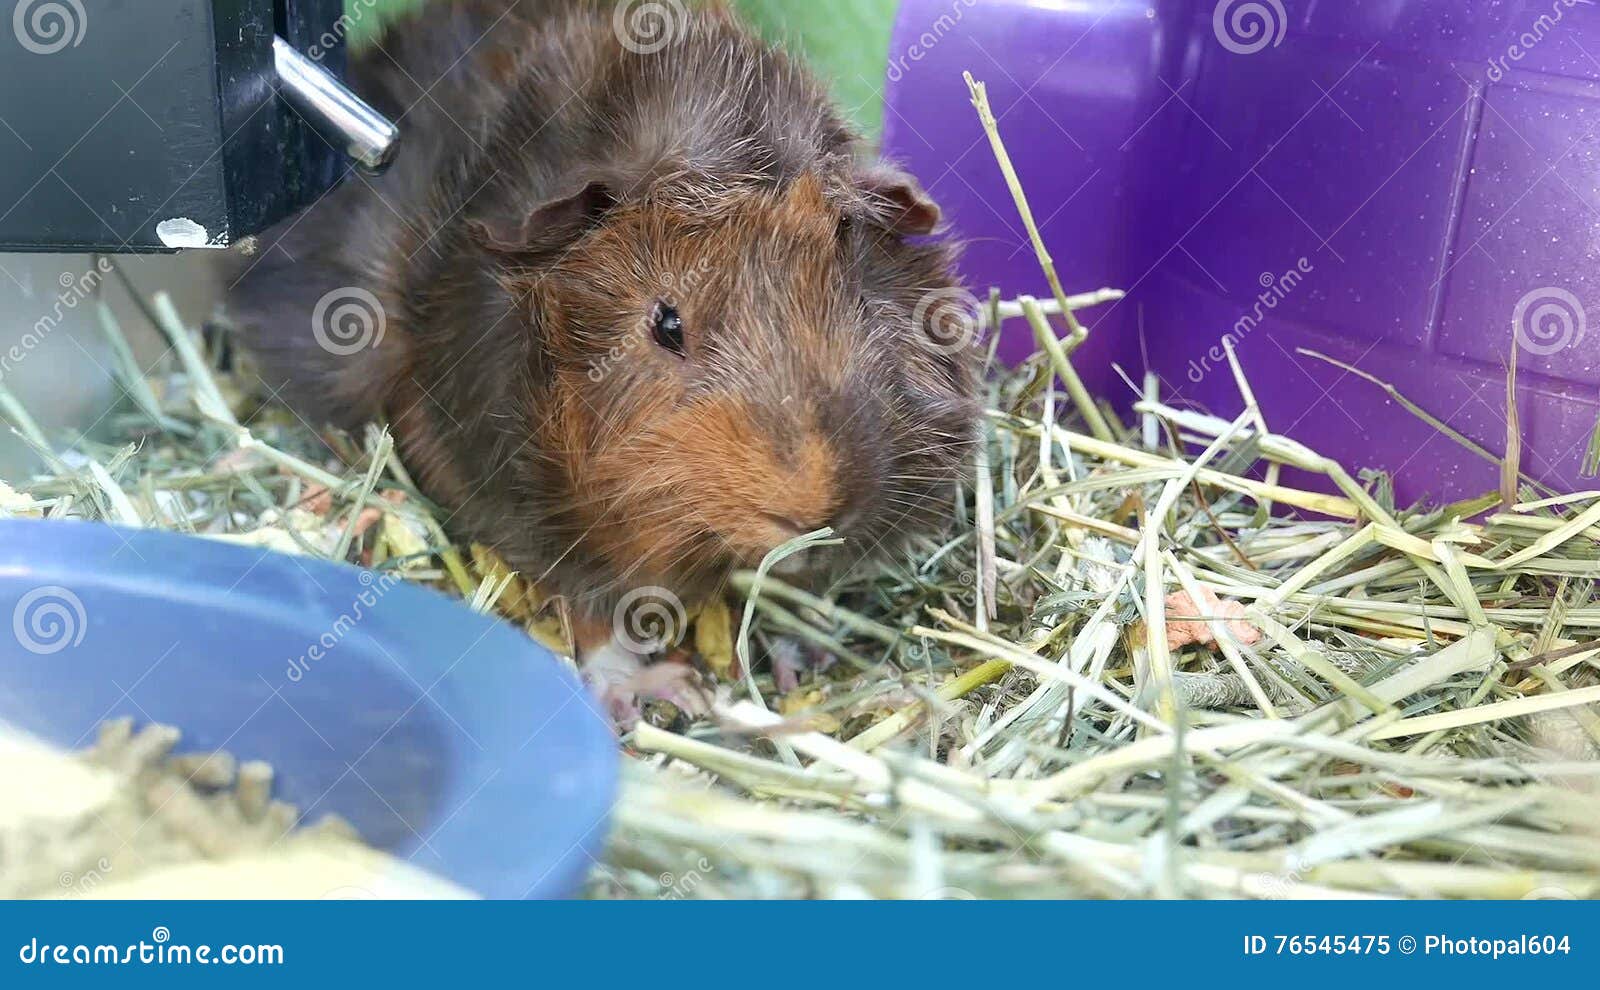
x: 555, y: 188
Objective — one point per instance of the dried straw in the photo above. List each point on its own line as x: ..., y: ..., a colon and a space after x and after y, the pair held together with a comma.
x: 1010, y: 718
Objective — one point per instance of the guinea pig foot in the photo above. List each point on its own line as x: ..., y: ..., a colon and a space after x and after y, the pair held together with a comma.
x: 627, y: 686
x: 792, y: 657
x: 609, y: 672
x: 622, y: 707
x: 677, y: 684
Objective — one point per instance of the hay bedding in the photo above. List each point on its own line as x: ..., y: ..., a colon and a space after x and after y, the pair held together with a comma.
x: 1138, y: 664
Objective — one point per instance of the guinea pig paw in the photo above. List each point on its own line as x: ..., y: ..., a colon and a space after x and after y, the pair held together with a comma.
x: 609, y: 673
x: 792, y: 657
x: 623, y: 707
x: 659, y: 693
x: 677, y: 683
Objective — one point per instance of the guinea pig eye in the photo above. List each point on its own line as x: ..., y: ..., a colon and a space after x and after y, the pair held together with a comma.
x: 667, y: 329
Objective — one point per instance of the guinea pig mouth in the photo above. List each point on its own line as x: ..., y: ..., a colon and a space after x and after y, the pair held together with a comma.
x: 747, y: 544
x: 805, y: 564
x: 792, y: 528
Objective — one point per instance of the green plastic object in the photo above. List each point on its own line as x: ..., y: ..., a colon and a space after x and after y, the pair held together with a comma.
x: 847, y: 41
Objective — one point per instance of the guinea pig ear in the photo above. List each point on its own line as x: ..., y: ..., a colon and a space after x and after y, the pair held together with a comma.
x: 513, y: 234
x: 898, y: 200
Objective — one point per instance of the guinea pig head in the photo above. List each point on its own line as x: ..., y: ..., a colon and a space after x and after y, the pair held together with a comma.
x: 725, y: 375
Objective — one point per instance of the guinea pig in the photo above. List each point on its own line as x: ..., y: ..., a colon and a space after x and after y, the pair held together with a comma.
x: 634, y: 303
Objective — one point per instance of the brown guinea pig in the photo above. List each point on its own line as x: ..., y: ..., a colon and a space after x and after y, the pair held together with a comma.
x: 632, y: 304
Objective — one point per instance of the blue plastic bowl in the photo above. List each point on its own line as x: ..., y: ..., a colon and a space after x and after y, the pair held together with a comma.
x: 442, y: 735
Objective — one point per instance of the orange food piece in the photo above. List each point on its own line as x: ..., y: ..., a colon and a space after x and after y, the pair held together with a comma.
x: 1192, y: 628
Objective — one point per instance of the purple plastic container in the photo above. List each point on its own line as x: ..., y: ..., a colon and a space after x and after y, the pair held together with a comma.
x: 1408, y: 186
